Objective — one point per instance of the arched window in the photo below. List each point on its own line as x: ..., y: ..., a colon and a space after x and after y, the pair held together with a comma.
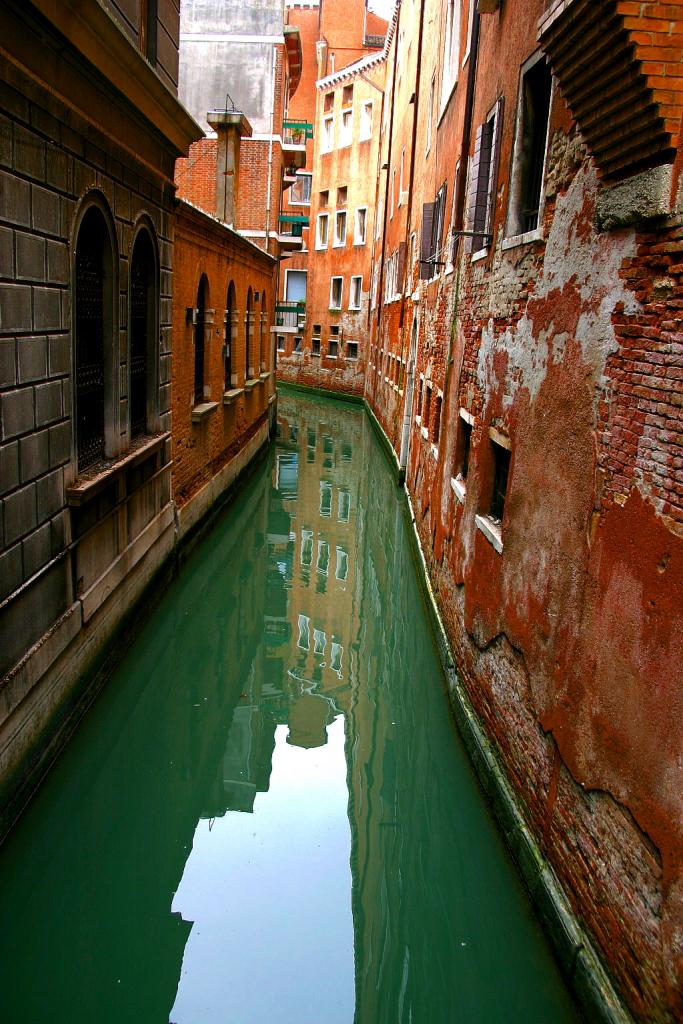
x: 93, y: 335
x: 230, y: 335
x: 248, y: 324
x: 199, y: 341
x: 143, y: 334
x: 263, y: 327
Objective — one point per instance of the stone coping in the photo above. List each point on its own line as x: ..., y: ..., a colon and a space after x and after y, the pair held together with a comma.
x: 232, y: 395
x: 88, y: 484
x: 201, y: 411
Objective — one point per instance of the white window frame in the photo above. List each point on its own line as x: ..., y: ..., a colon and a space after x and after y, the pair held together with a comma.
x: 470, y: 25
x: 359, y: 239
x: 346, y: 129
x: 319, y: 244
x: 339, y: 242
x: 341, y: 291
x: 301, y: 174
x: 359, y: 278
x: 366, y: 120
x: 430, y: 113
x: 327, y: 134
x: 450, y: 63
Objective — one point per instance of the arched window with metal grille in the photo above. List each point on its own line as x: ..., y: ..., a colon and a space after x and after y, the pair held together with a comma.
x: 248, y: 328
x: 231, y: 326
x: 263, y: 331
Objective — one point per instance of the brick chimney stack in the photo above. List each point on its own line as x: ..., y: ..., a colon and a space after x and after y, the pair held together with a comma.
x: 230, y: 126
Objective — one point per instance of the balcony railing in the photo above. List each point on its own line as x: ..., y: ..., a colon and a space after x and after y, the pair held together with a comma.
x: 292, y: 224
x: 295, y: 132
x: 290, y: 313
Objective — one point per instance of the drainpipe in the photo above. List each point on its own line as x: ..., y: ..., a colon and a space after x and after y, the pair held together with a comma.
x: 270, y: 147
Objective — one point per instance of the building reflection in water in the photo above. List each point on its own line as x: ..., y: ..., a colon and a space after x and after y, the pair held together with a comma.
x: 267, y: 817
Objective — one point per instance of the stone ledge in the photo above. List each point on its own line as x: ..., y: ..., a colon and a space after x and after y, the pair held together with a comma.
x: 491, y: 531
x: 250, y: 384
x: 89, y: 484
x: 232, y: 395
x: 201, y: 411
x: 264, y: 376
x: 459, y: 489
x: 636, y: 201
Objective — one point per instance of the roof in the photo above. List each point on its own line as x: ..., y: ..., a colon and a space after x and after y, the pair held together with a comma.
x: 372, y: 60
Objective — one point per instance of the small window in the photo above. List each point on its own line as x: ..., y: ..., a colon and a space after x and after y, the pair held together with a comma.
x: 329, y: 102
x: 426, y: 412
x: 346, y: 134
x: 451, y: 49
x: 355, y: 292
x: 342, y: 194
x: 325, y: 499
x: 324, y: 198
x: 306, y: 547
x: 365, y: 121
x: 336, y: 652
x: 436, y: 432
x: 304, y: 640
x: 352, y: 350
x: 531, y: 138
x: 334, y: 330
x: 501, y: 469
x: 482, y: 182
x: 322, y: 231
x: 319, y: 641
x: 462, y: 450
x: 347, y: 95
x: 315, y: 345
x: 420, y: 390
x: 317, y: 330
x: 333, y: 348
x: 322, y: 563
x: 297, y: 344
x: 280, y: 342
x: 340, y: 228
x: 327, y: 143
x: 343, y: 506
x: 300, y: 192
x: 336, y: 292
x: 342, y: 564
x: 360, y: 230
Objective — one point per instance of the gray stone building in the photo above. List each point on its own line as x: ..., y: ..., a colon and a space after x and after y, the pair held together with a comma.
x: 90, y: 129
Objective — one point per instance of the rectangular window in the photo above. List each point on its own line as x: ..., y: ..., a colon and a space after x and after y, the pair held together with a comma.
x: 297, y: 344
x: 322, y: 230
x: 342, y: 195
x: 433, y: 215
x: 355, y: 292
x: 336, y: 652
x: 343, y: 506
x: 393, y: 194
x: 315, y: 346
x: 306, y: 547
x: 483, y: 180
x: 317, y: 330
x: 328, y: 103
x: 427, y: 409
x: 360, y: 230
x: 327, y: 143
x: 300, y: 191
x: 436, y: 432
x: 280, y: 342
x: 342, y: 564
x: 323, y: 559
x: 336, y: 284
x: 531, y: 137
x: 304, y: 632
x: 501, y: 469
x: 347, y: 96
x: 340, y: 228
x: 430, y: 114
x: 333, y: 348
x: 319, y: 641
x: 324, y: 198
x: 352, y: 350
x: 451, y: 51
x: 463, y: 446
x: 346, y: 133
x: 365, y: 121
x: 325, y: 499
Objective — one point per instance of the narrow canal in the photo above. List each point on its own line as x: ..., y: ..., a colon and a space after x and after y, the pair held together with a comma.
x: 268, y: 816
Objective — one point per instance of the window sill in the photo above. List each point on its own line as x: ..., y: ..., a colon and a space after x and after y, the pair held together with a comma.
x: 529, y: 236
x: 201, y: 411
x: 435, y: 452
x: 480, y: 254
x: 418, y: 420
x: 264, y: 376
x: 251, y: 383
x: 339, y: 245
x: 459, y: 489
x: 334, y: 309
x: 359, y: 243
x: 92, y: 481
x: 492, y: 531
x: 354, y: 309
x: 425, y: 433
x: 232, y: 395
x: 321, y: 248
x: 315, y: 355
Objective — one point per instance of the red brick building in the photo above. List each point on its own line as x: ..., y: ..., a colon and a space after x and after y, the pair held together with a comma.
x: 525, y: 363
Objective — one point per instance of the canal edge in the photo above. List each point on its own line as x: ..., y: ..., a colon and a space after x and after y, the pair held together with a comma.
x: 578, y: 959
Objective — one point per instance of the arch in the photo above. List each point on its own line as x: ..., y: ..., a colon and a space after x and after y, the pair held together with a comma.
x: 263, y: 327
x: 143, y: 330
x: 248, y: 323
x: 94, y: 332
x: 230, y: 335
x: 199, y: 330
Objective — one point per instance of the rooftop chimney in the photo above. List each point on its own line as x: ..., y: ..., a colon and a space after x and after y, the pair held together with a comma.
x: 230, y: 126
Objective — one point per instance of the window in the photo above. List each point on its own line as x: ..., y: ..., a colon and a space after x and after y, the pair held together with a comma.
x: 340, y: 228
x: 248, y: 329
x: 352, y: 350
x: 147, y: 33
x: 420, y: 389
x: 355, y: 292
x: 322, y: 229
x: 470, y: 25
x: 393, y: 194
x: 401, y: 185
x: 336, y: 652
x: 319, y: 641
x: 463, y: 445
x: 427, y: 409
x: 328, y: 103
x: 360, y: 230
x: 94, y: 331
x: 300, y: 192
x: 317, y: 330
x: 378, y: 222
x: 306, y: 547
x: 327, y: 143
x: 483, y: 181
x: 436, y: 432
x: 323, y: 560
x: 230, y: 334
x: 143, y: 333
x: 315, y: 345
x: 346, y: 134
x: 347, y: 96
x: 501, y: 469
x: 280, y: 342
x: 336, y: 284
x: 451, y: 50
x: 432, y: 229
x: 304, y: 640
x: 199, y: 331
x: 297, y: 344
x: 365, y: 121
x: 325, y: 499
x: 342, y: 564
x: 324, y: 198
x: 342, y: 195
x: 531, y: 136
x: 333, y: 348
x: 343, y: 506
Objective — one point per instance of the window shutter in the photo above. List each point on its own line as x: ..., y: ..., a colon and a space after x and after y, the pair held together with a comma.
x: 481, y: 180
x: 401, y: 267
x: 426, y: 241
x: 495, y: 160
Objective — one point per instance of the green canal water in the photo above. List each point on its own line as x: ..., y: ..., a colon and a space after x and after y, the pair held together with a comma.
x: 268, y: 815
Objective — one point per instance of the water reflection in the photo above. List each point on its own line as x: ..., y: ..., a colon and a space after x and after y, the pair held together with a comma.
x: 267, y: 816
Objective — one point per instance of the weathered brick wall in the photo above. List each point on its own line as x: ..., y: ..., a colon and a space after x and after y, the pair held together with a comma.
x: 206, y: 247
x: 195, y: 175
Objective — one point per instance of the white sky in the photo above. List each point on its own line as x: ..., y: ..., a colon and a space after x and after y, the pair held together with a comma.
x: 382, y: 7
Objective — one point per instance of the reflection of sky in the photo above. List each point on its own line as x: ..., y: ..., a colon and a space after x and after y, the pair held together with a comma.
x: 270, y: 897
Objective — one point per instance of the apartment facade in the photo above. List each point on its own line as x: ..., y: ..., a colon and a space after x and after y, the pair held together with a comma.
x: 523, y: 352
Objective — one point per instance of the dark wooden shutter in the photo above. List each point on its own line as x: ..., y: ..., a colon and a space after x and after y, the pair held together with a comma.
x: 426, y: 241
x: 481, y: 179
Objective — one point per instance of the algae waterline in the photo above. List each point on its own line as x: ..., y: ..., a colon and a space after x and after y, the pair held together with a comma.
x: 268, y: 816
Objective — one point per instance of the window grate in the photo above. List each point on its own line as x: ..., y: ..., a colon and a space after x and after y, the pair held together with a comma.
x: 90, y: 343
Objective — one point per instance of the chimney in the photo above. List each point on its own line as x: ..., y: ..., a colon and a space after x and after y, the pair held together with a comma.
x: 230, y: 126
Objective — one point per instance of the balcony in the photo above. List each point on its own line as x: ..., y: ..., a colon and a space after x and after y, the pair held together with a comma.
x: 295, y: 134
x: 290, y: 317
x: 291, y: 227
